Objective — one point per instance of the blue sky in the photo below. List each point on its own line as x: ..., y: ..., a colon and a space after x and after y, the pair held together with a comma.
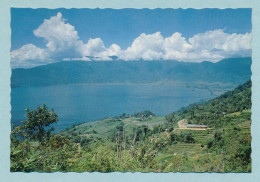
x: 128, y: 34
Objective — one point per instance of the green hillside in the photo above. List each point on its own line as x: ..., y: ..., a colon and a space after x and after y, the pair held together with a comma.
x: 211, y: 113
x: 148, y: 143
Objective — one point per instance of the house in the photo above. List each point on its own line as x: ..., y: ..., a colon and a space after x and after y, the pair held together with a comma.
x: 196, y: 126
x: 183, y: 124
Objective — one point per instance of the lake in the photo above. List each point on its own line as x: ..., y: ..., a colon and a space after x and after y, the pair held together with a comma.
x: 83, y: 103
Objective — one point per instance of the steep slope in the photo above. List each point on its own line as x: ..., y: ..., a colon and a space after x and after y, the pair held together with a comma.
x: 211, y: 112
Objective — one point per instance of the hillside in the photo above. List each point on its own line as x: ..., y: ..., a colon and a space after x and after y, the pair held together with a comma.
x: 148, y: 143
x: 233, y: 70
x: 212, y: 111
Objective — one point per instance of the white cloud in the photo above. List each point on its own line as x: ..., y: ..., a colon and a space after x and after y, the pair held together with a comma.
x: 211, y: 46
x: 94, y: 47
x: 26, y: 56
x: 59, y: 35
x: 176, y: 47
x: 146, y: 46
x: 77, y: 59
x: 220, y: 44
x: 28, y: 51
x: 63, y: 43
x: 114, y: 50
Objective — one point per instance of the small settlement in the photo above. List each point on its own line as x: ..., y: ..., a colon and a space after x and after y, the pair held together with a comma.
x: 183, y: 124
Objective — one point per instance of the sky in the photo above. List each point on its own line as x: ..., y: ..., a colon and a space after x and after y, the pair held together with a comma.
x: 44, y: 36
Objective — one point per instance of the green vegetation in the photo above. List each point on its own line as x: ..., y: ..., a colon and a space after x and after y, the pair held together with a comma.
x: 216, y: 112
x: 34, y: 127
x: 144, y: 142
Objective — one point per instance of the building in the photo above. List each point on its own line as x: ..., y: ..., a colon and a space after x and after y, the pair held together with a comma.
x: 196, y: 126
x: 183, y: 124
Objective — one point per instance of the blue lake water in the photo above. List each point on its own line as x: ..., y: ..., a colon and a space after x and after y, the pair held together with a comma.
x: 83, y: 103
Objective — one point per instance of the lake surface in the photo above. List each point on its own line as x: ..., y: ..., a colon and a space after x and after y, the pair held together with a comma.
x: 83, y: 103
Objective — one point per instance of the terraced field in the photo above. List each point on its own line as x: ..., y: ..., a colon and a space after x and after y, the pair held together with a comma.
x: 105, y: 127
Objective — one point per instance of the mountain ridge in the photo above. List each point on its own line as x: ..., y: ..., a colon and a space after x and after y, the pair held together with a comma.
x: 233, y: 70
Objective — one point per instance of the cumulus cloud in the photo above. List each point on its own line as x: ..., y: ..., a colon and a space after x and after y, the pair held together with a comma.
x: 146, y: 46
x: 58, y: 34
x: 26, y: 56
x: 219, y: 44
x: 63, y: 43
x: 210, y: 46
x: 61, y: 39
x: 28, y: 51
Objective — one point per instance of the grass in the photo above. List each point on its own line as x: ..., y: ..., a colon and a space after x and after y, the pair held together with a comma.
x: 106, y: 126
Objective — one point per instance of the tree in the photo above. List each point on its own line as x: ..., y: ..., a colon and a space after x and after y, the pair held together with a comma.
x: 188, y: 138
x: 37, y: 124
x: 174, y: 138
x: 170, y: 117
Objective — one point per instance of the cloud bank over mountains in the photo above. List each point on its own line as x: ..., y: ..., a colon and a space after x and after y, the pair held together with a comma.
x: 63, y: 43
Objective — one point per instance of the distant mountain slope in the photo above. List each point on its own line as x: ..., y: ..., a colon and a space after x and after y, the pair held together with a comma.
x: 235, y: 70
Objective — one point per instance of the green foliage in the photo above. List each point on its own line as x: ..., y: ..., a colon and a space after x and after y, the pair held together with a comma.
x: 144, y: 114
x: 170, y: 117
x: 187, y: 138
x: 215, y: 113
x: 235, y: 146
x: 35, y: 127
x: 174, y: 138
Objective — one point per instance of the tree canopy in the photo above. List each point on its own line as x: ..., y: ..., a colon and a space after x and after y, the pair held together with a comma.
x: 37, y: 124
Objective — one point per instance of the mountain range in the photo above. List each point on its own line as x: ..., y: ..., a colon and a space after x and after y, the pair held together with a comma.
x: 232, y: 70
